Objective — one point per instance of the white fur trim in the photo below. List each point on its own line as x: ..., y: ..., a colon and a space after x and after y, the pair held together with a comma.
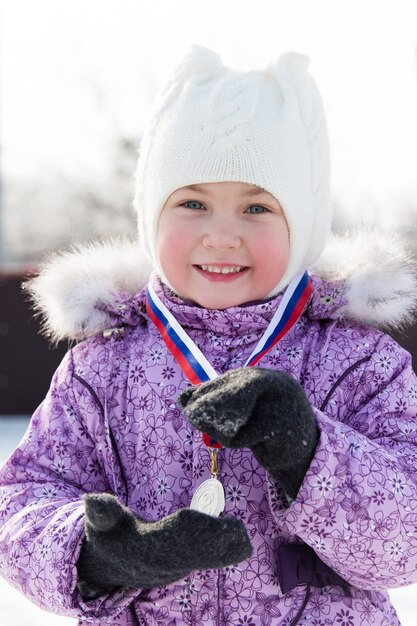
x: 380, y: 282
x: 71, y: 285
x: 379, y: 275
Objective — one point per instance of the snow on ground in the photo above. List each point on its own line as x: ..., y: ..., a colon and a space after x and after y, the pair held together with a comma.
x: 15, y: 610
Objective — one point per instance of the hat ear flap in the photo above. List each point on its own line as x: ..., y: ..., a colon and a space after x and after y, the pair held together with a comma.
x: 198, y: 61
x: 300, y: 90
x: 293, y: 67
x: 291, y: 72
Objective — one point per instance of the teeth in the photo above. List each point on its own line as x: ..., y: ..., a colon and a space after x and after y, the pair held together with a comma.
x: 222, y: 270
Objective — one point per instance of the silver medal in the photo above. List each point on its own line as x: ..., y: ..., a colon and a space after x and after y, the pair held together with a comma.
x: 209, y: 497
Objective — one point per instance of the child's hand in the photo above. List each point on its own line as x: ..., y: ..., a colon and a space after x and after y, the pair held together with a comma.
x: 265, y: 410
x: 123, y: 550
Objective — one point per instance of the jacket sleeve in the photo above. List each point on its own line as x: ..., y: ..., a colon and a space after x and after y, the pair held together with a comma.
x: 357, y: 506
x: 41, y: 509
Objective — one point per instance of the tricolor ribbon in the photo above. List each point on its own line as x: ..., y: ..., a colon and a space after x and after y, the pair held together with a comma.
x: 289, y: 310
x: 190, y: 358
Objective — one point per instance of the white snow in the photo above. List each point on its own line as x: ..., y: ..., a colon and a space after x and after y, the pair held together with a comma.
x: 16, y: 610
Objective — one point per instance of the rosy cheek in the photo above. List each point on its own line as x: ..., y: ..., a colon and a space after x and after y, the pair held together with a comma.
x: 172, y: 251
x: 273, y: 254
x: 274, y: 248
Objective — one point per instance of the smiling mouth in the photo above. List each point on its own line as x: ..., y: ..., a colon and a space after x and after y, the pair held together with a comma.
x: 227, y: 269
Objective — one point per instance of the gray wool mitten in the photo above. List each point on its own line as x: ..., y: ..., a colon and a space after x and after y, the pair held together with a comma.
x: 264, y: 410
x: 123, y: 550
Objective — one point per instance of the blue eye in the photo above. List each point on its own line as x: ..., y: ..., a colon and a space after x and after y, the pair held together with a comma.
x: 193, y: 204
x: 257, y: 208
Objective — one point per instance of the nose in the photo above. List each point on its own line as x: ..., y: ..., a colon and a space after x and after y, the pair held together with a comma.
x: 222, y: 234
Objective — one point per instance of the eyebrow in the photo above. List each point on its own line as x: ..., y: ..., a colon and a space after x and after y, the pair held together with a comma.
x: 250, y: 192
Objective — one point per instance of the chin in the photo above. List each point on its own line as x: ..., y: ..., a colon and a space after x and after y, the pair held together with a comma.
x: 219, y: 305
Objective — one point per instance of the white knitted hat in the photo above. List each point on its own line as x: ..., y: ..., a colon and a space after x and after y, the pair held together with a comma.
x: 265, y: 128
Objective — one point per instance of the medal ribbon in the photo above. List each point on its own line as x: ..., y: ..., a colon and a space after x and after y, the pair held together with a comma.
x: 190, y: 358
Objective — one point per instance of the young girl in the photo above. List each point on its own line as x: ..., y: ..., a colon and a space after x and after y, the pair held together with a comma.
x: 230, y: 442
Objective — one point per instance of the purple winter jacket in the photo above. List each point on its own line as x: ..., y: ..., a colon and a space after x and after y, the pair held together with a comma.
x: 110, y: 422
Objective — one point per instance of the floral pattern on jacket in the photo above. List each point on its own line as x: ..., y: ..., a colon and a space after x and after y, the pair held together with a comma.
x: 110, y: 422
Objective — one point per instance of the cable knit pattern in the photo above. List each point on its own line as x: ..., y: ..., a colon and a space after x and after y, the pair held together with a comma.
x: 110, y: 422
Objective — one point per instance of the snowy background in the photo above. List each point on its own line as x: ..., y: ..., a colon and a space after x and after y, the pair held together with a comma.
x: 78, y: 79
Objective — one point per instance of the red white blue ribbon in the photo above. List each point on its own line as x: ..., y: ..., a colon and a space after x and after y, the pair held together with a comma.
x: 289, y: 310
x: 190, y: 358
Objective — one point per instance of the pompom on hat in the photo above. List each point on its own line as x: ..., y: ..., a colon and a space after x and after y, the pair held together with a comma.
x: 261, y: 127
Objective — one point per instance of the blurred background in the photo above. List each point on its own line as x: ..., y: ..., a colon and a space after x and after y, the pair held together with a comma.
x: 77, y: 82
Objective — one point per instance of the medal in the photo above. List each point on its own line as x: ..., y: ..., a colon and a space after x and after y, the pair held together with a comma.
x: 209, y: 496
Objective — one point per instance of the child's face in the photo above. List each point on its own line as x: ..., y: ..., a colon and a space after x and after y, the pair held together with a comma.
x: 222, y: 226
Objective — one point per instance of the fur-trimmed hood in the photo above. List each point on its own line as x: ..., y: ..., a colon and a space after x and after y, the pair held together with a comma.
x: 81, y: 292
